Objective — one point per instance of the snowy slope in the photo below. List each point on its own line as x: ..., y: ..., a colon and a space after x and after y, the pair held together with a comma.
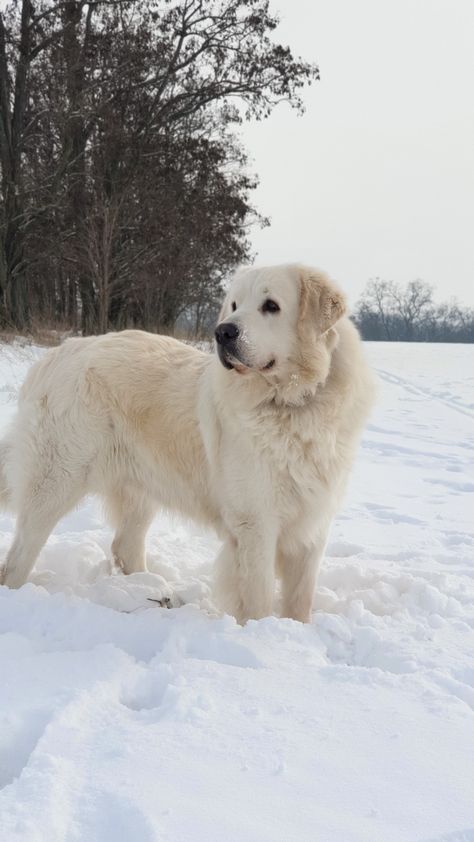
x: 120, y: 720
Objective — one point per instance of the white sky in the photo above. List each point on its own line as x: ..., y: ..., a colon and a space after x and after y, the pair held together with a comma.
x: 377, y: 178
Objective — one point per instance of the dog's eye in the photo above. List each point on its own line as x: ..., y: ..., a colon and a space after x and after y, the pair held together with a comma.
x: 270, y: 306
x: 234, y: 306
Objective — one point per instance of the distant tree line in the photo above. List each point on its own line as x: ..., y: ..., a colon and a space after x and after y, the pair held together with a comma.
x: 124, y: 193
x: 388, y: 311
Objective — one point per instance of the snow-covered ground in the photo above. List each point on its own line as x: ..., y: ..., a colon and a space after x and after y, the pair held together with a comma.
x: 121, y: 721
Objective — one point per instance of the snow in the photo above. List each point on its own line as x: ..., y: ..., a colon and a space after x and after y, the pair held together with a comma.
x: 121, y: 720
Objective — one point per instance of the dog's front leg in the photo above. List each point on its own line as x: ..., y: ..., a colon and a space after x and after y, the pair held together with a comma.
x: 246, y: 569
x: 298, y: 566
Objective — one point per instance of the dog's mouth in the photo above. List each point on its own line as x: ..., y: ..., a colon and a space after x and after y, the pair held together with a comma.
x: 231, y: 361
x: 229, y: 358
x: 233, y: 364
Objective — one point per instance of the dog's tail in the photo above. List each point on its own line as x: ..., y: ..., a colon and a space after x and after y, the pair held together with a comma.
x: 5, y: 491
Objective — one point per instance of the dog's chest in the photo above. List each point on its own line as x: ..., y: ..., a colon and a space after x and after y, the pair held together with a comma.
x: 296, y: 458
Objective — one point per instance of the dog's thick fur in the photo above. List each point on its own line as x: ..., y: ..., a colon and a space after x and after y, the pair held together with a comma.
x: 259, y: 448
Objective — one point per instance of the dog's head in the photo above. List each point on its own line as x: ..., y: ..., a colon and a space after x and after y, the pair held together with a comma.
x: 278, y: 323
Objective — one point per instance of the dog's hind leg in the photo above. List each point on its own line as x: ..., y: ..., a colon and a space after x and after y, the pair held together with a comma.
x: 45, y: 501
x: 131, y: 512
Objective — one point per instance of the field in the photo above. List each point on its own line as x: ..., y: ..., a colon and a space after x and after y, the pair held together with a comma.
x: 120, y: 720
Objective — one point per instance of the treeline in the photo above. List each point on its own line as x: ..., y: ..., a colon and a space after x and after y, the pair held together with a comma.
x: 124, y: 195
x: 388, y: 311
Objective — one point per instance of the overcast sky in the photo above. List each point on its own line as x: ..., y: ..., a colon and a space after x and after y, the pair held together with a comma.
x: 377, y: 178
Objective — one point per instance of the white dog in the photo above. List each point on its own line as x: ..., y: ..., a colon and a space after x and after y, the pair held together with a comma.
x: 256, y: 441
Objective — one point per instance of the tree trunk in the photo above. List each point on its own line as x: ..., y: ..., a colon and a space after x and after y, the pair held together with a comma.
x: 88, y: 306
x: 74, y: 146
x: 14, y: 280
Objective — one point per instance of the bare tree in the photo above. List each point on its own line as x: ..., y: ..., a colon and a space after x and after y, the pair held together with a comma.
x: 413, y: 305
x: 378, y: 299
x: 389, y: 311
x: 96, y: 99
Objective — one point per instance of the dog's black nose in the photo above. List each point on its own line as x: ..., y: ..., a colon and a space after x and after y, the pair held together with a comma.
x: 226, y: 332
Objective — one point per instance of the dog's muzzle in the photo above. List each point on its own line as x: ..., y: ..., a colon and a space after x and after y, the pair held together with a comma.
x: 227, y: 335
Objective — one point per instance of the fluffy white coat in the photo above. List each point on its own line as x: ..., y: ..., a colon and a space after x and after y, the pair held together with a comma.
x: 257, y: 444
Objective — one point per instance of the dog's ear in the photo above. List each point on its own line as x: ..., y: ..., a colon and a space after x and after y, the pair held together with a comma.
x: 321, y: 303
